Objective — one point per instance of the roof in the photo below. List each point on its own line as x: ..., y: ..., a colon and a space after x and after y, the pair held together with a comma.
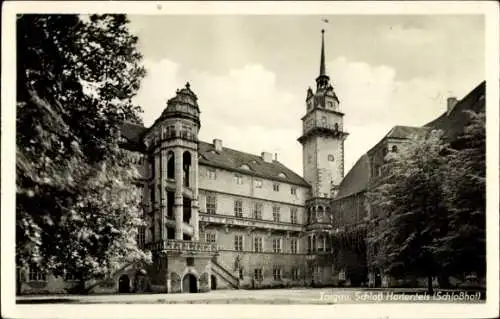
x: 233, y: 160
x: 133, y: 134
x: 227, y: 159
x: 454, y: 123
x: 357, y: 178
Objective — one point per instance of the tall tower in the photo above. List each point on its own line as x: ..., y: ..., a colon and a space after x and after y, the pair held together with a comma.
x: 172, y: 142
x: 323, y: 136
x: 323, y: 163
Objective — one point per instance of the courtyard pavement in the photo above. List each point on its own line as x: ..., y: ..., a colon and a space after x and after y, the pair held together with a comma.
x: 268, y: 296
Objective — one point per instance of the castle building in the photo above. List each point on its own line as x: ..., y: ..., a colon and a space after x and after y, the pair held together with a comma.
x: 221, y: 218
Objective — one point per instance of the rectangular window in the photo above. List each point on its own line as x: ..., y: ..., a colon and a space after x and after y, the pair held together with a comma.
x: 211, y: 203
x: 238, y: 179
x: 258, y: 183
x: 152, y: 194
x: 257, y: 274
x: 293, y: 215
x: 238, y: 208
x: 211, y: 174
x: 295, y: 273
x: 293, y: 246
x: 257, y: 211
x: 210, y: 237
x: 293, y: 190
x: 276, y: 187
x: 238, y: 243
x: 277, y: 245
x: 35, y: 274
x: 276, y: 213
x: 141, y: 237
x: 257, y: 241
x: 277, y: 272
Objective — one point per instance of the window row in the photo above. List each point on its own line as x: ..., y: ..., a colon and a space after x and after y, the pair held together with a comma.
x: 256, y: 213
x: 238, y: 179
x: 277, y: 273
x: 258, y: 244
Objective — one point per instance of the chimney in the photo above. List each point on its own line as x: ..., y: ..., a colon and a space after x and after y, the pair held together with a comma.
x: 276, y: 157
x: 218, y: 145
x: 451, y: 102
x: 267, y: 157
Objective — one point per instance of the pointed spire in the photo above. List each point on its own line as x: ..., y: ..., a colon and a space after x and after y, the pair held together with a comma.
x: 322, y: 68
x: 322, y: 80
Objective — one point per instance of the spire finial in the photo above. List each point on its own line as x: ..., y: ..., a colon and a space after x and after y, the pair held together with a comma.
x: 322, y: 68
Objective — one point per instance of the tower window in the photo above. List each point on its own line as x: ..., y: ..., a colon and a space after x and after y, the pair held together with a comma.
x: 331, y: 158
x: 336, y: 126
x: 276, y: 187
x: 293, y: 190
x: 394, y: 149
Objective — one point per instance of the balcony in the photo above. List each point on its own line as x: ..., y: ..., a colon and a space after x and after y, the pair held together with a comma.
x: 248, y: 222
x: 182, y: 246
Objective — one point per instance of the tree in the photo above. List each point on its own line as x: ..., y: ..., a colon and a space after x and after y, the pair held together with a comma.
x: 414, y: 212
x: 463, y: 249
x: 76, y: 77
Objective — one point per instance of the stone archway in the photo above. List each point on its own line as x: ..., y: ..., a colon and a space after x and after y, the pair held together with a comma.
x: 124, y: 284
x: 189, y: 283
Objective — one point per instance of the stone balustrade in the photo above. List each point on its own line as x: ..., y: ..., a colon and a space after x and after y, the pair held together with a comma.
x: 182, y: 246
x: 248, y: 222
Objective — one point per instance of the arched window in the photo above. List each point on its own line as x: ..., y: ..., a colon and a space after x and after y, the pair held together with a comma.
x: 394, y: 149
x: 170, y: 165
x: 336, y: 126
x: 186, y: 167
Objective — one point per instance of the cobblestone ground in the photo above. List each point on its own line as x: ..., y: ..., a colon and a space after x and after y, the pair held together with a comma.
x: 270, y: 296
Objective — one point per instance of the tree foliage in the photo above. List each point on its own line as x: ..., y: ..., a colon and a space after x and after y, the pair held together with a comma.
x: 463, y: 248
x: 433, y: 201
x: 76, y: 207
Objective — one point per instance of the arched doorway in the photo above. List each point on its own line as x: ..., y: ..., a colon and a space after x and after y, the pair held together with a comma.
x: 124, y: 284
x: 378, y: 279
x: 213, y: 282
x: 189, y: 283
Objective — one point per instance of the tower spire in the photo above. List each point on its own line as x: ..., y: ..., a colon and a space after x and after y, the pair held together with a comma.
x: 322, y: 68
x: 322, y: 81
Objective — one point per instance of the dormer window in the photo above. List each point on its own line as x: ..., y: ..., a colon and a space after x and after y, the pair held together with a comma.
x: 245, y: 166
x: 282, y: 175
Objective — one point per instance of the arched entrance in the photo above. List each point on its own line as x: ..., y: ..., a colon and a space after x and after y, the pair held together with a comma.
x: 124, y: 284
x: 378, y: 279
x: 189, y: 283
x: 213, y: 282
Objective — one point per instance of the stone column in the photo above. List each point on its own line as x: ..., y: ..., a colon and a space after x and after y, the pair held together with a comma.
x: 178, y: 194
x: 163, y: 194
x: 195, y: 220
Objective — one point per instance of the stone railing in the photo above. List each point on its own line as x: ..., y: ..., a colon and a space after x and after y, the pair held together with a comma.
x: 248, y: 222
x: 182, y: 245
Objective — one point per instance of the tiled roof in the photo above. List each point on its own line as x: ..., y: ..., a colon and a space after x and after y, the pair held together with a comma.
x: 356, y: 179
x: 233, y: 160
x: 454, y: 123
x: 133, y: 135
x: 227, y: 159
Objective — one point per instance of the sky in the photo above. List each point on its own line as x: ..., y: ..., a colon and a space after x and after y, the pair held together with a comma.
x: 251, y: 73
